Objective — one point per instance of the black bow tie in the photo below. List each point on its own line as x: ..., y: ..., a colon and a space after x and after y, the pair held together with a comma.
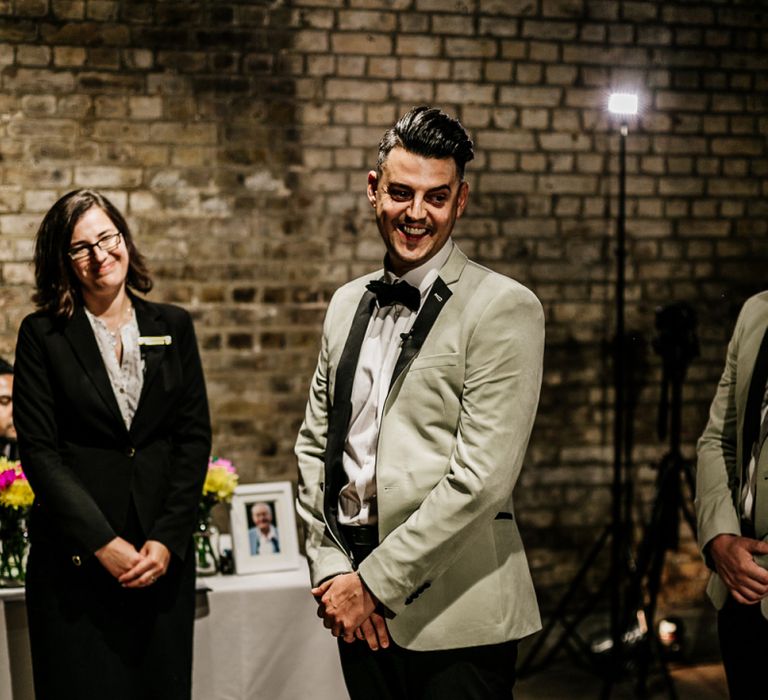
x: 398, y: 293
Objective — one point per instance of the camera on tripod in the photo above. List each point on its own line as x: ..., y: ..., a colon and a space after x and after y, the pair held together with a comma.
x: 676, y: 341
x: 677, y: 345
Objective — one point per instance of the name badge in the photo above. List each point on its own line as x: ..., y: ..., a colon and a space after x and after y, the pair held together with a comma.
x: 155, y: 340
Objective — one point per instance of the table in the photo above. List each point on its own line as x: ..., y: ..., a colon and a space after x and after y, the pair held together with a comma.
x: 256, y: 637
x: 14, y: 646
x: 262, y: 639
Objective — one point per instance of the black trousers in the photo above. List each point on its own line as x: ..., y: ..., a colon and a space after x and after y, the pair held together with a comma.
x: 474, y: 673
x: 91, y: 639
x: 743, y: 633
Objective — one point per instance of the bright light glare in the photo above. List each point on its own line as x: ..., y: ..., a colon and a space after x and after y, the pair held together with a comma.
x: 622, y: 103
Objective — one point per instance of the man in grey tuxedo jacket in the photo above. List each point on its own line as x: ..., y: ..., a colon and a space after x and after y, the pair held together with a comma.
x: 418, y: 419
x: 732, y: 502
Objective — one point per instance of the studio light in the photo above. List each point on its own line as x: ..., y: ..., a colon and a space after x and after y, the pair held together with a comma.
x: 622, y: 633
x: 622, y: 103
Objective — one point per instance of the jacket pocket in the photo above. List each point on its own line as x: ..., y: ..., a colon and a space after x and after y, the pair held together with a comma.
x: 446, y: 359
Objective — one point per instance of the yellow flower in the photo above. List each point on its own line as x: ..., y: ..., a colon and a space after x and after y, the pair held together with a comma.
x: 15, y: 491
x: 18, y: 495
x: 220, y: 481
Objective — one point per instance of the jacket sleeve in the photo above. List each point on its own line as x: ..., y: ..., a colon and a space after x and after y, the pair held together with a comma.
x: 498, y: 404
x: 76, y: 514
x: 326, y: 558
x: 191, y: 448
x: 717, y: 471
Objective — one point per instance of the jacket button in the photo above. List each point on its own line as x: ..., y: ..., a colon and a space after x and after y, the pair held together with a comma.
x: 130, y: 451
x: 76, y: 560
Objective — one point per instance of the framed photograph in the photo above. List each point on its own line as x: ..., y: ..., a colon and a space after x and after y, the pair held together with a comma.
x: 264, y: 528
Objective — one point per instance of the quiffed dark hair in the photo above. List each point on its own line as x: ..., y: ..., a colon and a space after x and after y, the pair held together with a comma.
x: 431, y: 133
x: 5, y: 367
x: 57, y: 287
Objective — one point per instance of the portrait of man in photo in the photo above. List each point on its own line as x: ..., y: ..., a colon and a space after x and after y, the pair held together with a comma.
x: 263, y: 537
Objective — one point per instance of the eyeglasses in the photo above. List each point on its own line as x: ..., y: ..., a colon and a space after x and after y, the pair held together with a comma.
x: 83, y: 250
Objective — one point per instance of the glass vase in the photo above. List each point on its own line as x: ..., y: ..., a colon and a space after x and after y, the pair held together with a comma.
x: 13, y: 548
x: 206, y: 545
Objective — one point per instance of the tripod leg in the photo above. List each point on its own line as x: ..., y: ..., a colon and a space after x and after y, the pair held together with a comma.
x: 569, y: 634
x: 669, y: 524
x: 688, y: 513
x: 652, y: 644
x: 653, y: 534
x: 526, y: 667
x: 690, y: 518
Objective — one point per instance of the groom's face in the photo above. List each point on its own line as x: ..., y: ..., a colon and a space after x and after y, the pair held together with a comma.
x: 417, y: 201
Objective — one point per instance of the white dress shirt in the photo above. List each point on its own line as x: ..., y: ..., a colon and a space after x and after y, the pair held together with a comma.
x: 750, y: 483
x: 376, y: 363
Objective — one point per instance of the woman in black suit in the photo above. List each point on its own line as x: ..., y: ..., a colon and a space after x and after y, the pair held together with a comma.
x: 114, y: 435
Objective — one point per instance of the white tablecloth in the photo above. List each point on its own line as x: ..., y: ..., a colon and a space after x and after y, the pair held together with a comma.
x: 263, y: 641
x: 15, y: 664
x: 257, y: 637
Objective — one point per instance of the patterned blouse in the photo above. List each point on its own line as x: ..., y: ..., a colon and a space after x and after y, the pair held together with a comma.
x: 126, y: 378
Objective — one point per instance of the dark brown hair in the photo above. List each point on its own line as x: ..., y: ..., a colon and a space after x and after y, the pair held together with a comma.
x: 428, y: 132
x: 57, y: 287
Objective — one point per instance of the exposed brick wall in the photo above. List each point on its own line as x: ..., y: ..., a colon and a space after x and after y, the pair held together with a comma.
x: 236, y: 136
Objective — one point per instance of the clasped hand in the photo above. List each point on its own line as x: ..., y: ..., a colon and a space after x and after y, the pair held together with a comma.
x: 348, y: 609
x: 733, y: 557
x: 131, y: 567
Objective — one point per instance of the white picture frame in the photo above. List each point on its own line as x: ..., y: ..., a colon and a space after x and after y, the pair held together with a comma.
x: 268, y: 546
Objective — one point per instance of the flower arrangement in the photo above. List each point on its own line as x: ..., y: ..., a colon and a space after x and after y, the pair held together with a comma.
x: 219, y: 485
x: 16, y: 498
x: 220, y: 482
x: 15, y: 491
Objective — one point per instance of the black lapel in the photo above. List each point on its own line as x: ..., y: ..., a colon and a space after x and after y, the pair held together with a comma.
x: 341, y: 408
x: 80, y: 335
x: 438, y: 295
x: 345, y: 372
x: 150, y: 323
x: 754, y: 403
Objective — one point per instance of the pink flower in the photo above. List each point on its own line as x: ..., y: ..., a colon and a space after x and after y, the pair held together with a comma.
x: 221, y: 463
x: 7, y: 477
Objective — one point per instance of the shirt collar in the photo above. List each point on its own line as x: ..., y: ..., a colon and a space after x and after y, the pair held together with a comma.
x: 271, y: 535
x: 423, y: 276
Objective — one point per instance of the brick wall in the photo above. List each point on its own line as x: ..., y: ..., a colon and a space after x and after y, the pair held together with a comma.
x: 236, y: 136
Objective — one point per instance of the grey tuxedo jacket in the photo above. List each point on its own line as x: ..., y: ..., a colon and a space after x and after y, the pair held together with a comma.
x: 724, y: 447
x: 450, y: 564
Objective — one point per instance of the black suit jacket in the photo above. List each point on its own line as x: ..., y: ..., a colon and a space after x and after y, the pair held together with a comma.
x: 84, y: 466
